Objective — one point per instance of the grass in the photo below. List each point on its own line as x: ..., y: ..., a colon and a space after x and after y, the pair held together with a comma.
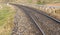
x: 30, y: 1
x: 47, y: 1
x: 6, y: 19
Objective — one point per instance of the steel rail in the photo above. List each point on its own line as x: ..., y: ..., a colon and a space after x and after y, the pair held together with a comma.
x: 33, y: 17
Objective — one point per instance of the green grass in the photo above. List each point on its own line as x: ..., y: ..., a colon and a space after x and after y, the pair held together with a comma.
x: 39, y: 2
x: 6, y: 19
x: 4, y: 12
x: 30, y: 1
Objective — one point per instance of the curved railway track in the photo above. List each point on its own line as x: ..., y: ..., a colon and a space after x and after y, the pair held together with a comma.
x: 46, y: 24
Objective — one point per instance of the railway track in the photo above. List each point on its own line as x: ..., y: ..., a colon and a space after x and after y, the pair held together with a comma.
x: 44, y: 23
